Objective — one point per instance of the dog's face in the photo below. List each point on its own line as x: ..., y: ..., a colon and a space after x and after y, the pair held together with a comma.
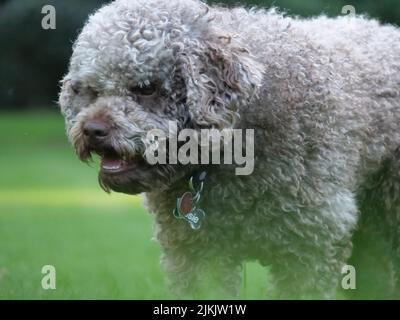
x: 138, y: 65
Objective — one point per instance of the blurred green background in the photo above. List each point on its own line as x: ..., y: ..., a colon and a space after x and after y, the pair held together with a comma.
x: 51, y: 208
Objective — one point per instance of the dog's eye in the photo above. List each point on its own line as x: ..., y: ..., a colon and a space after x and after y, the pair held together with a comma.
x: 93, y: 92
x: 76, y: 88
x: 144, y: 90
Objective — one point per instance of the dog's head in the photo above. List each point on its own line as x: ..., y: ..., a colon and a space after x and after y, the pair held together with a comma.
x: 138, y: 65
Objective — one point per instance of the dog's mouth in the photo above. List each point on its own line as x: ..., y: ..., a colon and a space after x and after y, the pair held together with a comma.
x: 125, y: 172
x: 130, y: 174
x: 112, y: 163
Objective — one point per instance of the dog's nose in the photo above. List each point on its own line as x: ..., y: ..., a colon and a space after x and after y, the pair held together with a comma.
x: 96, y: 130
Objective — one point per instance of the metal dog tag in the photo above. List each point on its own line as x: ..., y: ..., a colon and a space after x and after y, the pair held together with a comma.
x: 195, y: 218
x: 186, y: 205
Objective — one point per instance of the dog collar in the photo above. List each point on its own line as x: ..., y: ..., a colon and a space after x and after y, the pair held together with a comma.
x: 187, y: 205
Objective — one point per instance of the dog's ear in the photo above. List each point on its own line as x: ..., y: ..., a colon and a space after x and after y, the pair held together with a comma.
x: 222, y: 75
x: 65, y: 96
x: 234, y: 65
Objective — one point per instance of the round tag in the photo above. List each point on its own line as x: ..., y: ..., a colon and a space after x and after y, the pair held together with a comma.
x: 186, y: 204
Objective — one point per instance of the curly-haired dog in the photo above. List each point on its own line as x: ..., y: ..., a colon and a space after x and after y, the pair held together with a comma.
x: 323, y: 96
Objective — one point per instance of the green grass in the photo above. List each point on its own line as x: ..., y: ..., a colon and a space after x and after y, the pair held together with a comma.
x: 53, y: 212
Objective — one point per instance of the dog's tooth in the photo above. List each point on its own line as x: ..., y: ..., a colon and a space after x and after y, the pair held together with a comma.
x: 111, y: 167
x: 111, y: 164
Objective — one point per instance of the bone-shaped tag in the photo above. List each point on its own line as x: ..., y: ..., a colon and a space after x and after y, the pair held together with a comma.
x: 195, y: 218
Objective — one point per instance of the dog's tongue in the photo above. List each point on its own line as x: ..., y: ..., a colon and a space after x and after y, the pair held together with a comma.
x: 111, y: 162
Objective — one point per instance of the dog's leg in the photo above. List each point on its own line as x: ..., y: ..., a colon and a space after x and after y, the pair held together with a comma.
x: 311, y: 245
x: 377, y: 242
x: 224, y: 274
x: 372, y: 259
x: 308, y: 275
x: 391, y: 203
x: 201, y: 273
x: 182, y: 273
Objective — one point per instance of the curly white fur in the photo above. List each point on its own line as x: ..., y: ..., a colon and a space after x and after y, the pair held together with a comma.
x: 323, y: 96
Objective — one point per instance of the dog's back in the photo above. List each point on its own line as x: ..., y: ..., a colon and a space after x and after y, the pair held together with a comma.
x: 349, y: 65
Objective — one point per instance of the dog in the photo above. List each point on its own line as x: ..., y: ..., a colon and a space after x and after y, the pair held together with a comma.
x: 323, y: 98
